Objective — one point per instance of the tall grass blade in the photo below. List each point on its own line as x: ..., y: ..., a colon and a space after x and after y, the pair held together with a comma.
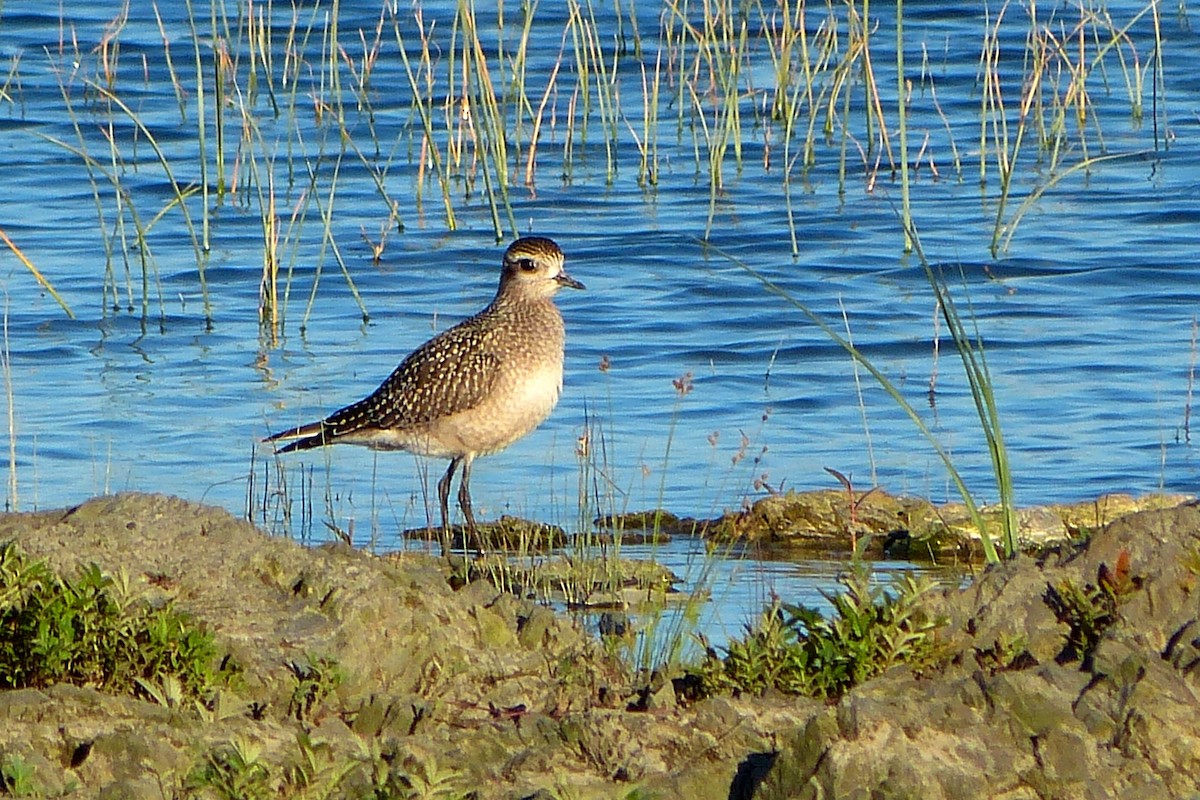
x: 12, y: 503
x: 38, y: 276
x: 1057, y: 178
x: 902, y: 120
x: 971, y: 351
x: 424, y: 112
x: 989, y: 549
x: 201, y: 133
x: 180, y: 194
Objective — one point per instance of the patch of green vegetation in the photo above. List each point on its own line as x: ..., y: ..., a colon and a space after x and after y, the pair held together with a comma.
x: 1191, y: 560
x: 1008, y: 652
x: 238, y: 771
x: 797, y: 650
x: 17, y: 778
x: 1091, y: 609
x: 315, y: 679
x: 424, y: 778
x: 232, y: 772
x: 88, y: 630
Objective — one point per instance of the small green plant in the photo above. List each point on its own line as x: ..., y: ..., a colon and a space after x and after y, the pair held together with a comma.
x: 424, y: 778
x: 316, y: 678
x: 232, y: 772
x: 1191, y: 560
x: 87, y: 630
x: 317, y: 770
x: 1008, y: 652
x: 1091, y: 609
x: 797, y: 650
x: 17, y: 778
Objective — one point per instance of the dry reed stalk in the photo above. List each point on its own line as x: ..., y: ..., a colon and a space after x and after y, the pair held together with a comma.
x: 551, y: 85
x: 424, y: 106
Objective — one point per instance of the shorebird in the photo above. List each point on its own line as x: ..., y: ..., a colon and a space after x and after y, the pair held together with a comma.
x: 473, y: 389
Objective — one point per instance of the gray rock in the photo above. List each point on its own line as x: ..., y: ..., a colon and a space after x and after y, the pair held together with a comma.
x: 1124, y: 722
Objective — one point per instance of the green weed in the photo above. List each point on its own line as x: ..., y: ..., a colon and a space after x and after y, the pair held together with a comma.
x: 232, y: 772
x: 315, y: 679
x: 1091, y: 609
x: 1191, y: 560
x: 87, y: 630
x: 968, y: 343
x: 37, y: 275
x: 1008, y: 652
x: 427, y: 780
x: 238, y: 770
x: 797, y: 650
x: 17, y: 778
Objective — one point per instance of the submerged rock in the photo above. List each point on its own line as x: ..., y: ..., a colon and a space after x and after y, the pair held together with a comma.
x: 656, y: 525
x: 510, y: 534
x: 905, y: 527
x: 580, y: 583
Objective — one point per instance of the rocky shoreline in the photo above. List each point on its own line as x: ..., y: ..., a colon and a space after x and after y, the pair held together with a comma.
x: 475, y: 693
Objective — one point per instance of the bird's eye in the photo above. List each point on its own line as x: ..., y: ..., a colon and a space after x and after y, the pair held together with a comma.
x: 527, y: 264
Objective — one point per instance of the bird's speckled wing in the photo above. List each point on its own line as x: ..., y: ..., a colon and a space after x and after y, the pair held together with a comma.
x: 452, y: 372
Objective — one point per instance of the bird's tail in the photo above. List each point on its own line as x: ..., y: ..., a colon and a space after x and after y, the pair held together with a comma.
x: 338, y: 425
x: 306, y: 437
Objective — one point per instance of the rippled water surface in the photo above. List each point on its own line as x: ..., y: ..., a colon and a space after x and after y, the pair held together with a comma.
x: 1088, y: 318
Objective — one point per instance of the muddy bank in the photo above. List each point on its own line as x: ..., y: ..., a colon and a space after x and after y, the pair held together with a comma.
x: 473, y: 693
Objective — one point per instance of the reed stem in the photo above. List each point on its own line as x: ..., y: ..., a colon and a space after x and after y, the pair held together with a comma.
x: 902, y: 119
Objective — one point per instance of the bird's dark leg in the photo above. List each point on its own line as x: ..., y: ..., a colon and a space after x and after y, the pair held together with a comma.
x: 444, y: 500
x: 464, y: 502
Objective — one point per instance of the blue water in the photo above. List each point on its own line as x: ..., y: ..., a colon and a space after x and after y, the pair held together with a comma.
x: 1088, y: 317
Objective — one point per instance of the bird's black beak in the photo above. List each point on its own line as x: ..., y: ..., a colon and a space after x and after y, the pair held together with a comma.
x: 564, y: 279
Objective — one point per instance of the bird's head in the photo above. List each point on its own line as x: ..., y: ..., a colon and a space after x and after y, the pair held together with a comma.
x: 533, y: 266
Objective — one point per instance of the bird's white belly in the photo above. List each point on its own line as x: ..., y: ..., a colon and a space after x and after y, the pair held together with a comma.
x: 517, y: 406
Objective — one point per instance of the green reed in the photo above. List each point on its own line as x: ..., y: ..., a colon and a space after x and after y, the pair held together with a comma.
x: 538, y: 120
x: 423, y: 102
x: 648, y: 166
x: 661, y: 626
x: 975, y: 367
x: 592, y: 67
x: 595, y: 558
x: 37, y: 275
x: 12, y: 500
x: 220, y: 68
x: 481, y: 101
x: 809, y: 81
x: 124, y: 206
x: 664, y: 637
x: 180, y: 193
x: 1063, y: 63
x: 201, y: 133
x: 902, y: 119
x: 176, y: 84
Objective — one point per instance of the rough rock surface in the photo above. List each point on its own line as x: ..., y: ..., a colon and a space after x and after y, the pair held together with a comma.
x: 477, y: 694
x: 1015, y: 712
x: 460, y: 691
